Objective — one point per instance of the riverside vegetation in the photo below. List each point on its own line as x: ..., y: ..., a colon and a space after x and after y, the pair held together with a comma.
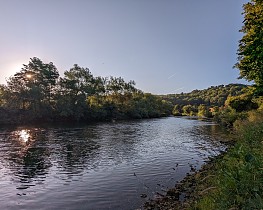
x: 38, y: 94
x: 234, y: 180
x: 231, y: 181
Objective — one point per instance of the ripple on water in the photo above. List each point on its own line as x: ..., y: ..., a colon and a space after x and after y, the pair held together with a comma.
x: 100, y: 166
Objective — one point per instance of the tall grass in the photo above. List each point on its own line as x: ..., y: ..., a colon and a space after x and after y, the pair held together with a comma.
x: 236, y: 181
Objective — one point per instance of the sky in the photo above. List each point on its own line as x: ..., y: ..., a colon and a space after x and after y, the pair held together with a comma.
x: 165, y: 46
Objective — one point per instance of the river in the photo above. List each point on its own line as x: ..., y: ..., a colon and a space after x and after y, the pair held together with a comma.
x: 100, y: 166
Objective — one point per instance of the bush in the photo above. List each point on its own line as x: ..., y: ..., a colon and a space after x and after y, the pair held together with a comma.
x: 237, y: 178
x: 227, y: 116
x: 241, y: 103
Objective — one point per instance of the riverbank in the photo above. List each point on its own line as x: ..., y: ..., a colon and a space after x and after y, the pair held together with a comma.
x: 9, y: 117
x: 233, y: 180
x: 187, y: 191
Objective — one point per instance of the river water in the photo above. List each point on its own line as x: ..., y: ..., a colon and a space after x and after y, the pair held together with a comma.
x: 100, y: 166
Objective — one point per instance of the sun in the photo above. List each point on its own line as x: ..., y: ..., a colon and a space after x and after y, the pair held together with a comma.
x: 24, y: 135
x: 29, y: 76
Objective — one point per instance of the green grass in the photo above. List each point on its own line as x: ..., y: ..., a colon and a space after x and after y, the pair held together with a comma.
x: 236, y: 179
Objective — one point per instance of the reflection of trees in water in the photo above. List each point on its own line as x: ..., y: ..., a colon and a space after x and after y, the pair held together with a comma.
x: 34, y: 154
x: 74, y: 149
x: 119, y: 141
x: 208, y: 139
x: 28, y: 155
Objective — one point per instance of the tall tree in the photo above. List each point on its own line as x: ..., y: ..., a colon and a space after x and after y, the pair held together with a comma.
x: 78, y: 83
x: 33, y: 86
x: 119, y: 91
x: 250, y: 51
x: 2, y: 95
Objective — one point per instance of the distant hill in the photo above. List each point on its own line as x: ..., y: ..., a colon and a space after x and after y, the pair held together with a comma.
x: 212, y: 96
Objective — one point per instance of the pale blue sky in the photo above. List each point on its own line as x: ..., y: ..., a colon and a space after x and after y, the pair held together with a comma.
x: 166, y: 46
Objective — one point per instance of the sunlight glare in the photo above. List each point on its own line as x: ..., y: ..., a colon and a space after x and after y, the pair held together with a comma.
x: 24, y: 135
x: 29, y: 76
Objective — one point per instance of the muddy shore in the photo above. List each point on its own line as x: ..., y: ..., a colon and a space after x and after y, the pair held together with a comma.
x: 187, y: 191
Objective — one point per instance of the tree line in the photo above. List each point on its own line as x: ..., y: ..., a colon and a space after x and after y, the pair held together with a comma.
x: 38, y: 93
x: 230, y: 102
x: 210, y: 101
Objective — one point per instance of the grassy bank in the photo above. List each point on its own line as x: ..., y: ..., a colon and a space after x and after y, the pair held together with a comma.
x: 233, y: 180
x: 236, y: 179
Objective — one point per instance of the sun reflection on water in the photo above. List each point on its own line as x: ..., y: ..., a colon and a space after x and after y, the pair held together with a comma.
x: 24, y: 135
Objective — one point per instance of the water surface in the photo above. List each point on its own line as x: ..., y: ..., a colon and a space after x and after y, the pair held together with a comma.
x: 100, y: 166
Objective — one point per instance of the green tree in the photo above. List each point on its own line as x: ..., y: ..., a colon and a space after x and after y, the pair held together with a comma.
x: 2, y: 95
x: 78, y: 83
x: 250, y: 51
x: 177, y: 110
x: 241, y: 103
x: 33, y: 87
x: 120, y: 93
x: 203, y: 111
x: 19, y: 92
x: 189, y: 110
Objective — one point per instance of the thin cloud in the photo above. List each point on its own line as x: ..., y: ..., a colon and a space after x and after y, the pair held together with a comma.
x: 171, y: 76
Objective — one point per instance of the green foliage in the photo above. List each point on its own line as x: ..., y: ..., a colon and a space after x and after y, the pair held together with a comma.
x: 189, y: 110
x: 213, y: 96
x: 32, y: 88
x: 78, y: 81
x: 241, y: 103
x: 2, y: 95
x: 227, y: 116
x: 136, y: 105
x: 240, y: 180
x: 214, y: 111
x: 250, y: 52
x: 259, y: 102
x: 203, y: 111
x: 237, y: 178
x: 206, y: 103
x: 38, y: 91
x: 177, y: 111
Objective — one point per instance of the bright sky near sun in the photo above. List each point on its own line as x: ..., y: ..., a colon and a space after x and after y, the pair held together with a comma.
x: 166, y: 46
